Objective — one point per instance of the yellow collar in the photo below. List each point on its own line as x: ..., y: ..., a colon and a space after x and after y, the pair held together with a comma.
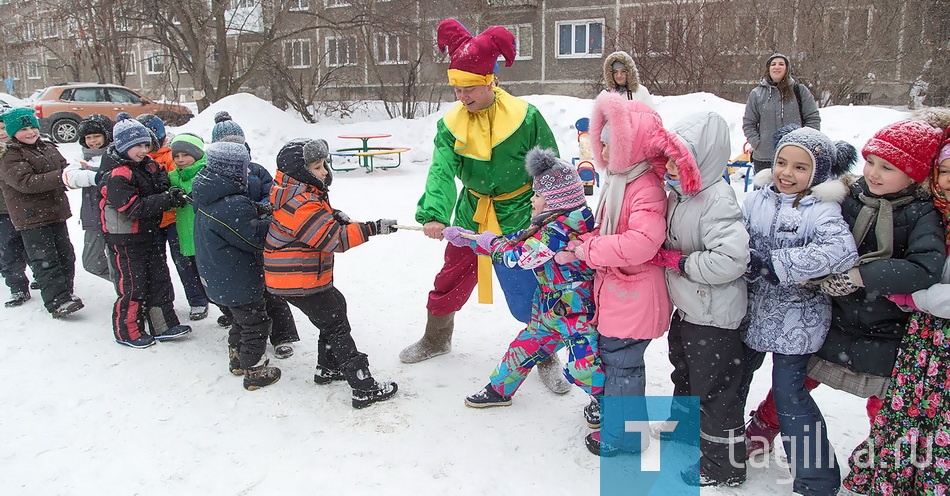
x: 476, y: 133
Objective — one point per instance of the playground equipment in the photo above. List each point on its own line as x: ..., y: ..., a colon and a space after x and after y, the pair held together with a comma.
x: 585, y: 159
x: 743, y: 161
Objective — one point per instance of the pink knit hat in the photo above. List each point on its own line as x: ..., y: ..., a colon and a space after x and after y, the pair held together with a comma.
x: 910, y: 145
x: 555, y: 179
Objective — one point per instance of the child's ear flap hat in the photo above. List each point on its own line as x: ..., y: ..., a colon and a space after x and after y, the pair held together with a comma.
x: 292, y: 159
x: 555, y: 179
x: 910, y: 145
x: 831, y: 160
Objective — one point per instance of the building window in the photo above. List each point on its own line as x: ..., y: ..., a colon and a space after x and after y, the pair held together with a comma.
x: 336, y: 3
x: 390, y: 49
x: 297, y: 54
x: 341, y: 51
x: 242, y: 4
x: 50, y: 28
x: 13, y: 70
x: 580, y: 39
x: 33, y: 69
x: 30, y: 32
x: 123, y: 24
x: 128, y: 63
x: 154, y: 62
x: 524, y: 41
x: 297, y: 5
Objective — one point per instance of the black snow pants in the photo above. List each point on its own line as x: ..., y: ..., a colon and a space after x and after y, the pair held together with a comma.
x: 336, y: 349
x: 707, y: 362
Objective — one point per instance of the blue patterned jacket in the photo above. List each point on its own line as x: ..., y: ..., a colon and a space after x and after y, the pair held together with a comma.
x: 805, y: 242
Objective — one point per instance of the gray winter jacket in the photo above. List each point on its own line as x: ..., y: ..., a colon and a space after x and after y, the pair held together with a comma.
x: 707, y: 227
x: 803, y: 243
x: 765, y: 113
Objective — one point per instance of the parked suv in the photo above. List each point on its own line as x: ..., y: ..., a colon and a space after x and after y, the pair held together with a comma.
x: 60, y: 108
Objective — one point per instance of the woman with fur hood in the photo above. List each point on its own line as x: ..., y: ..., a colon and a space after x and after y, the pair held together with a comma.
x: 797, y: 234
x: 621, y: 76
x: 706, y: 257
x: 632, y: 304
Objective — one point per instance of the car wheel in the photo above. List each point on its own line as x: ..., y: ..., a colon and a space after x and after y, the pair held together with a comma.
x: 65, y: 131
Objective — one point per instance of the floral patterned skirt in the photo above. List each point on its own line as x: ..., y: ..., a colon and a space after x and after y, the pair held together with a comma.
x: 908, y: 450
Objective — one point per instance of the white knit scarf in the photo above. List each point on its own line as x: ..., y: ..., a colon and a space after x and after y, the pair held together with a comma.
x: 611, y: 196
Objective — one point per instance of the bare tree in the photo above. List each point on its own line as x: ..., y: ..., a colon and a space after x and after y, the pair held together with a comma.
x: 679, y: 45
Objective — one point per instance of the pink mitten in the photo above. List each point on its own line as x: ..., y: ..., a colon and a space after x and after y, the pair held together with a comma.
x: 903, y: 300
x: 453, y: 235
x: 579, y: 251
x: 485, y: 239
x: 668, y: 258
x: 565, y: 257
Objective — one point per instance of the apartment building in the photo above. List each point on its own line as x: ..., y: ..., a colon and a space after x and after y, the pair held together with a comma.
x: 847, y: 51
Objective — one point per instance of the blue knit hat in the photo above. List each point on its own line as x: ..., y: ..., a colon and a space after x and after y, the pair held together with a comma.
x: 225, y: 129
x: 129, y: 132
x: 19, y: 118
x: 154, y: 124
x: 228, y: 160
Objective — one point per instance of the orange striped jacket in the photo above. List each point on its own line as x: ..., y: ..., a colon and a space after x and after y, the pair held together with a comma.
x: 164, y: 158
x: 298, y: 250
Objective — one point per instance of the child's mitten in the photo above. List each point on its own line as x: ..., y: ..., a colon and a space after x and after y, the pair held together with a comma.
x: 453, y: 235
x: 842, y: 284
x: 905, y: 301
x: 667, y: 258
x: 565, y: 257
x: 385, y: 226
x: 760, y: 265
x: 264, y: 208
x: 485, y: 239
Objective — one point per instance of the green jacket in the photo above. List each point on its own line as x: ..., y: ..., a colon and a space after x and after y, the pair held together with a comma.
x: 504, y: 173
x: 185, y: 216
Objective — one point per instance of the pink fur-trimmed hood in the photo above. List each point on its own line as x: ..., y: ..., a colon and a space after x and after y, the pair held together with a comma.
x: 632, y: 127
x: 699, y: 145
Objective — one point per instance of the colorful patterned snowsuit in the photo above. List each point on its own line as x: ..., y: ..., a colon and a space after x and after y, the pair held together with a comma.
x: 561, y: 309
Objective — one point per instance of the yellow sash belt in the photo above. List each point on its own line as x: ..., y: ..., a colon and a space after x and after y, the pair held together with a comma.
x: 488, y: 221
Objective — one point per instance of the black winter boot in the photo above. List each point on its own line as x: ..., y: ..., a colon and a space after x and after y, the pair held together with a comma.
x: 17, y: 298
x: 380, y: 391
x: 592, y: 413
x: 366, y: 390
x: 260, y: 375
x: 234, y: 361
x: 325, y: 375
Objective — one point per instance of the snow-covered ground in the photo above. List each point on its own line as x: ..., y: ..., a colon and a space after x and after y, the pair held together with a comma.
x: 81, y: 415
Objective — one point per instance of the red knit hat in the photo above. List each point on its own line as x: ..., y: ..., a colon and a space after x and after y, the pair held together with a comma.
x: 474, y: 57
x: 910, y: 145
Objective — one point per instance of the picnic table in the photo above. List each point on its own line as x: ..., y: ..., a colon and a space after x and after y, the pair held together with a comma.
x: 366, y: 154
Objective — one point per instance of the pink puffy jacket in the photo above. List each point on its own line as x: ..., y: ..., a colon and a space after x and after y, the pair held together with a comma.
x: 630, y: 293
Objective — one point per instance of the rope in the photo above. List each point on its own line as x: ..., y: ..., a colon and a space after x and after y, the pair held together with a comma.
x: 419, y: 228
